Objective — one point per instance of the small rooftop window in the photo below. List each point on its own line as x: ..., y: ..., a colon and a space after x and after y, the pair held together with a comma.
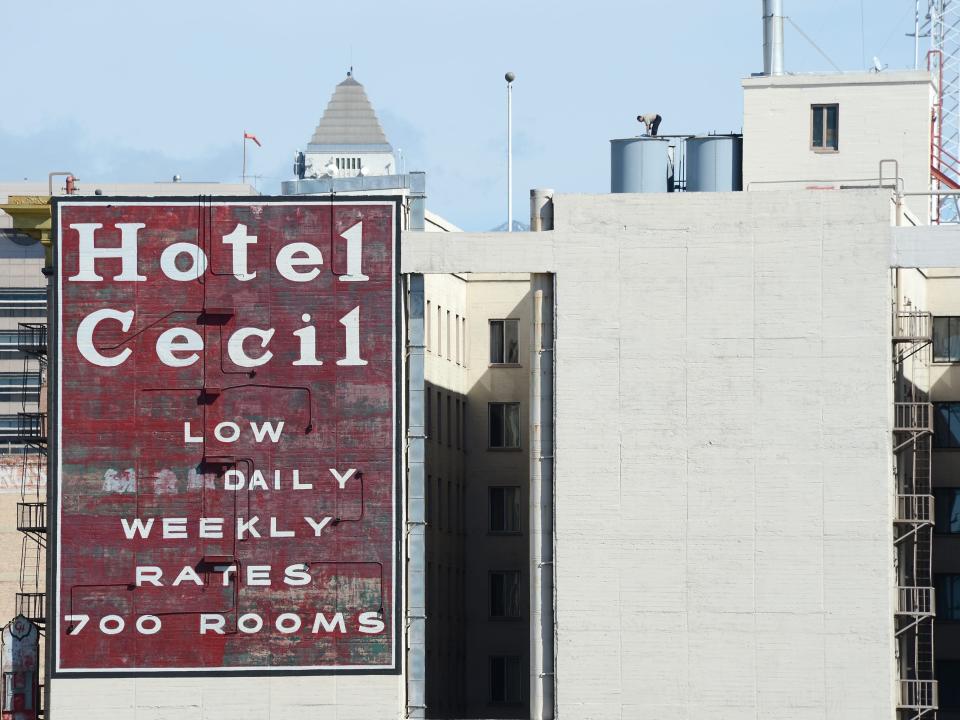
x: 825, y: 125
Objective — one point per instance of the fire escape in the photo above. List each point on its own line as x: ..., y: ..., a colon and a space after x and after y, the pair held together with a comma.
x: 32, y: 508
x: 913, y: 522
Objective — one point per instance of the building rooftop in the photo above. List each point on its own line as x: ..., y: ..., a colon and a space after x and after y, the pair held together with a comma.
x: 349, y: 118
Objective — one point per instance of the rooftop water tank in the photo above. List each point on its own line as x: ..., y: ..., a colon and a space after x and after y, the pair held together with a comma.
x: 639, y: 164
x: 714, y: 163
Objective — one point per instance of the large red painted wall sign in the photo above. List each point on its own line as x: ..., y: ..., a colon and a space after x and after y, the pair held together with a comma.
x: 225, y: 435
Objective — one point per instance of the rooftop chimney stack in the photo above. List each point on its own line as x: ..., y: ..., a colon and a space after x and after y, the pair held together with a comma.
x: 773, y: 37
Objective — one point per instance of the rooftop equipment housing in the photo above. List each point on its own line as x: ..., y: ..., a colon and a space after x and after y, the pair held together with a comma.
x: 639, y: 164
x: 714, y: 163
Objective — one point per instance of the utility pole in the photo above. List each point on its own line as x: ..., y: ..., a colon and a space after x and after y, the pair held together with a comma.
x: 509, y: 77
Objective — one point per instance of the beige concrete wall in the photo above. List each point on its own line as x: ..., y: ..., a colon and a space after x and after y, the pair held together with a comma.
x: 723, y: 510
x: 496, y: 297
x: 882, y: 115
x: 235, y: 698
x: 446, y: 377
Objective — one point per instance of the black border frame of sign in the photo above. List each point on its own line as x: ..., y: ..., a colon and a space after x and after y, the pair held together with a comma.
x: 53, y: 321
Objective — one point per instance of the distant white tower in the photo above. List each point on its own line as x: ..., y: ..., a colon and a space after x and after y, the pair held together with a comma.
x: 349, y: 140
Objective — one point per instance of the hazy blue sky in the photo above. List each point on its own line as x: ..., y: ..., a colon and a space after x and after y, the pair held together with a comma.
x: 136, y: 91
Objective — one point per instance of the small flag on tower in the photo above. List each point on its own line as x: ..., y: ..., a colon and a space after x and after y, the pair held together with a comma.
x: 248, y: 136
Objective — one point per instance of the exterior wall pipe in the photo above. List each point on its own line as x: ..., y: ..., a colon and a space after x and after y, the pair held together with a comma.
x: 416, y: 704
x: 541, y: 209
x: 542, y: 641
x: 418, y: 200
x: 773, y: 37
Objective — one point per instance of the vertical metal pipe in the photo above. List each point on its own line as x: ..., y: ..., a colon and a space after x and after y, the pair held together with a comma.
x: 418, y: 200
x: 773, y: 37
x: 415, y: 511
x: 542, y: 665
x: 541, y: 209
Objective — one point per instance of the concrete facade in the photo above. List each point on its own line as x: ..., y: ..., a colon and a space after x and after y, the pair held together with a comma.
x: 882, y: 116
x: 723, y: 509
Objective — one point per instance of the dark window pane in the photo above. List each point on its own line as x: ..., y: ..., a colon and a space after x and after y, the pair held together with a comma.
x: 513, y: 510
x: 496, y: 425
x: 948, y: 673
x: 513, y: 679
x: 946, y: 425
x: 948, y: 597
x: 954, y: 435
x: 512, y: 346
x: 497, y: 595
x: 496, y: 341
x: 941, y: 339
x: 947, y: 505
x: 512, y: 599
x: 818, y: 127
x: 512, y: 426
x: 953, y: 344
x: 498, y: 519
x: 833, y: 129
x: 498, y: 690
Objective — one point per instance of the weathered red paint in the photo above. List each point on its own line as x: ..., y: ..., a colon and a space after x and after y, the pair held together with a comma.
x: 123, y: 455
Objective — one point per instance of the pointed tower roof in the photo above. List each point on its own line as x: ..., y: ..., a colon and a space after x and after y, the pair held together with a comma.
x: 349, y: 119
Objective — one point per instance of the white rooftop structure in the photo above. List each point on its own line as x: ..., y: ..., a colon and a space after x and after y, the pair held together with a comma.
x: 348, y: 141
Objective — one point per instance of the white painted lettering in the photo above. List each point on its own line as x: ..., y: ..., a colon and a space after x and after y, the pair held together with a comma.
x: 239, y: 356
x: 87, y: 252
x: 239, y: 240
x: 179, y: 340
x: 85, y: 332
x: 299, y: 254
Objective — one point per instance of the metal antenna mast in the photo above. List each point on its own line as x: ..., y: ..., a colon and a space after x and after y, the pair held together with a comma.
x: 943, y: 25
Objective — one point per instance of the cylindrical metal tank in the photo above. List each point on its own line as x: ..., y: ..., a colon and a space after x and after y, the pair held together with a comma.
x: 638, y: 164
x: 714, y: 163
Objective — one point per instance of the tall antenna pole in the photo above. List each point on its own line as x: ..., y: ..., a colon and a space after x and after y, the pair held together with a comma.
x: 244, y: 172
x: 509, y: 77
x: 916, y: 34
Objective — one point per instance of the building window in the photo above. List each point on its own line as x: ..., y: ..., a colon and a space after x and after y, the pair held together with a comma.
x: 426, y: 327
x: 10, y: 346
x: 504, y: 426
x: 946, y: 425
x: 504, y: 509
x: 947, y: 592
x: 448, y: 334
x: 456, y: 323
x: 20, y: 387
x: 946, y: 339
x: 449, y: 423
x: 439, y: 504
x: 826, y: 128
x: 439, y: 331
x: 428, y: 413
x: 463, y: 339
x: 504, y: 347
x: 505, y: 594
x: 439, y: 417
x: 505, y: 679
x: 428, y: 499
x: 947, y: 508
x: 23, y: 302
x: 459, y: 417
x: 948, y: 674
